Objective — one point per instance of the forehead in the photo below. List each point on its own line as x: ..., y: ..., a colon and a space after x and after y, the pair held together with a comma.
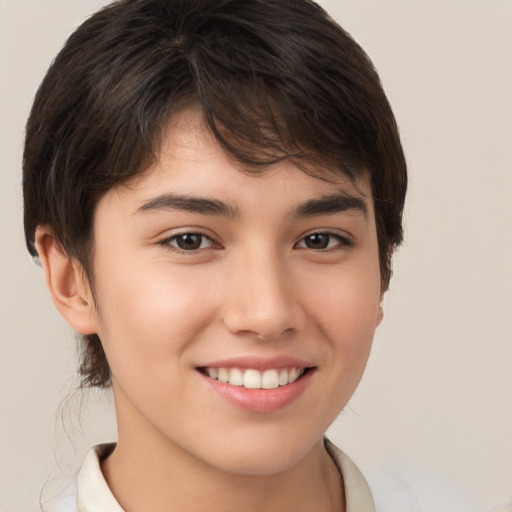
x: 189, y: 153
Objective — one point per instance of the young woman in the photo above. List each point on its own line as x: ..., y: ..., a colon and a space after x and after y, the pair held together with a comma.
x: 214, y: 190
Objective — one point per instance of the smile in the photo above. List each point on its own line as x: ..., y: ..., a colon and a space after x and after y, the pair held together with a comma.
x: 259, y: 385
x: 255, y: 379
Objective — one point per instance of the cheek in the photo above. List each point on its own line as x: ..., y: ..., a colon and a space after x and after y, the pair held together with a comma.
x: 346, y: 306
x: 351, y: 316
x: 347, y: 299
x: 148, y: 316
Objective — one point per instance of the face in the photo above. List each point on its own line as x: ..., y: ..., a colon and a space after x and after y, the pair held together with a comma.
x: 236, y: 311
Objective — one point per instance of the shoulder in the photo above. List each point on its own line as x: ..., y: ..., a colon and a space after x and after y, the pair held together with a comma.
x: 398, y: 488
x: 403, y: 488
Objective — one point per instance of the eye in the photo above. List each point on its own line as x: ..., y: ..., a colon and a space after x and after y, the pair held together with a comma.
x: 322, y: 241
x: 188, y: 242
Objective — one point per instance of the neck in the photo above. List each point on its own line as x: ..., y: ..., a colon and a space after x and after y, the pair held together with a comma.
x: 158, y: 477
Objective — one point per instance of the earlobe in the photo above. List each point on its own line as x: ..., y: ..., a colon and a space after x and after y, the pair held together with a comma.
x: 67, y: 285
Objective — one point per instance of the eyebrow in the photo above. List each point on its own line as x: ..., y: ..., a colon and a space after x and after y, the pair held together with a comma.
x: 192, y: 204
x: 326, y: 205
x: 331, y: 204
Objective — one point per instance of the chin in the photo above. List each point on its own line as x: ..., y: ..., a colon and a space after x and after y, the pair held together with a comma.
x: 261, y: 454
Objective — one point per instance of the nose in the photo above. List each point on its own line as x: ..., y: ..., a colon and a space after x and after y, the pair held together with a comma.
x: 263, y: 299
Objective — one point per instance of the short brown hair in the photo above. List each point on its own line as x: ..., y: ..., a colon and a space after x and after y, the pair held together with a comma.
x: 275, y: 79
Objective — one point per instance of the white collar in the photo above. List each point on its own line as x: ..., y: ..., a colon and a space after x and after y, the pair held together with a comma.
x: 358, y: 496
x: 94, y: 495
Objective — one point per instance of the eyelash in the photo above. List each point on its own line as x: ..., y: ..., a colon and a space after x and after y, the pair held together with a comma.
x: 171, y: 242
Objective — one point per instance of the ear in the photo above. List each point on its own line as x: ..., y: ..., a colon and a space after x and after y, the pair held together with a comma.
x: 66, y: 282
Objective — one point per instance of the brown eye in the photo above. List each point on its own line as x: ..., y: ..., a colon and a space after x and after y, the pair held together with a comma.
x: 190, y: 241
x: 321, y: 241
x: 317, y: 241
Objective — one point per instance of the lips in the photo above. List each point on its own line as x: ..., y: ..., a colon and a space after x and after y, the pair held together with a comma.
x: 258, y: 385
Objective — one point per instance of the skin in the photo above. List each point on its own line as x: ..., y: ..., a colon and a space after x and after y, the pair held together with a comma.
x: 254, y: 287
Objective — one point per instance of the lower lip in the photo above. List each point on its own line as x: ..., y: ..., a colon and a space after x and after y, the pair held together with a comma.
x: 261, y: 400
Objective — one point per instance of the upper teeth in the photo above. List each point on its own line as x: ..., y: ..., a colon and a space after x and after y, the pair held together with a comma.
x: 254, y: 379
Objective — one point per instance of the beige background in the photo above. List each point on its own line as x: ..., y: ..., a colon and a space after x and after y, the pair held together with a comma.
x: 438, y: 391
